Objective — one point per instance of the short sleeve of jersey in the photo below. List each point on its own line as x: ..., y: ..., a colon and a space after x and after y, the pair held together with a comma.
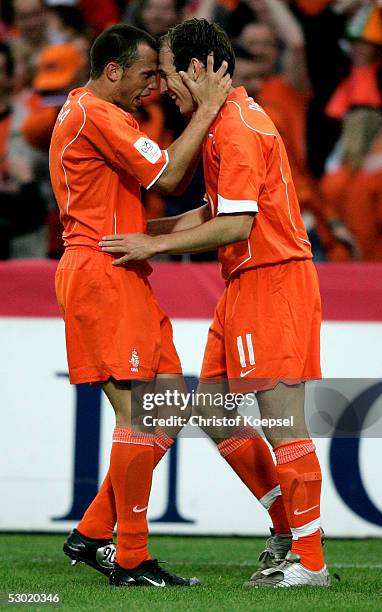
x: 242, y: 167
x: 118, y: 137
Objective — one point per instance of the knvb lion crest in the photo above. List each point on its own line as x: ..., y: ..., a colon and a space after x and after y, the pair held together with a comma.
x: 134, y: 361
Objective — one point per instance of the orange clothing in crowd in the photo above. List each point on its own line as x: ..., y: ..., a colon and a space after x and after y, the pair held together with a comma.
x: 37, y: 127
x: 287, y: 108
x: 367, y: 24
x: 5, y: 126
x: 357, y: 197
x: 360, y: 88
x: 230, y: 5
x: 313, y: 7
x: 37, y: 130
x: 100, y: 15
x: 310, y: 7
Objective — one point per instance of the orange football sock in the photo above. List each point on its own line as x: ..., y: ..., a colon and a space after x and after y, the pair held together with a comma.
x: 101, y: 516
x: 278, y: 516
x: 131, y: 470
x: 310, y: 550
x: 250, y: 457
x: 300, y: 480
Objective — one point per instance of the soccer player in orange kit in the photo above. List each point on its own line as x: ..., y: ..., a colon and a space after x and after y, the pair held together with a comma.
x: 115, y: 331
x: 266, y: 330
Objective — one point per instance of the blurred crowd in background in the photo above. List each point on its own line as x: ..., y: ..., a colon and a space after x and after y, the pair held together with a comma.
x: 314, y: 65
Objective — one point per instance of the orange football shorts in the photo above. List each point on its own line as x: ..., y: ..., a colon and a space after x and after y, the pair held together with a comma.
x: 266, y: 328
x: 113, y: 324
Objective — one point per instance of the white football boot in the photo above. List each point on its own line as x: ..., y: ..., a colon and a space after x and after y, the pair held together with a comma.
x: 290, y: 573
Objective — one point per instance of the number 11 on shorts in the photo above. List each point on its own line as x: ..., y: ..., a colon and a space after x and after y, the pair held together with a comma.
x: 240, y: 348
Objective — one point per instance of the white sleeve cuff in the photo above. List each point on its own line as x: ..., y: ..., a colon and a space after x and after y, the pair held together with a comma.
x: 160, y: 171
x: 236, y: 206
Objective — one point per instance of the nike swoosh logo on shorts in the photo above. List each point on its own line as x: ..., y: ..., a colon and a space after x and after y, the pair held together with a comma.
x: 242, y: 374
x: 297, y: 512
x: 157, y: 584
x: 137, y: 509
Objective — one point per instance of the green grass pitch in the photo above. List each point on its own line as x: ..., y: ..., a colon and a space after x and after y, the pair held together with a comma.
x: 35, y: 564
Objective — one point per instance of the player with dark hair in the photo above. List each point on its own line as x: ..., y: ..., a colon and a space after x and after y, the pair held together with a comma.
x: 201, y: 35
x: 266, y: 330
x: 118, y: 44
x: 115, y: 331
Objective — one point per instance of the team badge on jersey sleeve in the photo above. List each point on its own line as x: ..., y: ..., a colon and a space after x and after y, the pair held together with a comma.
x: 148, y: 149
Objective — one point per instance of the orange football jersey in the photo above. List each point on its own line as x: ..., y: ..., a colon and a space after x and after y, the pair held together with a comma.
x: 98, y: 161
x: 246, y: 169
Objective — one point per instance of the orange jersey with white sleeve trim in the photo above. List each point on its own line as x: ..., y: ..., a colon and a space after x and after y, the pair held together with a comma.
x: 98, y: 161
x: 246, y: 169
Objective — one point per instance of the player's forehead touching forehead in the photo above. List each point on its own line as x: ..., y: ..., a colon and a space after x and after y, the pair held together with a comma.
x: 146, y: 61
x: 166, y: 64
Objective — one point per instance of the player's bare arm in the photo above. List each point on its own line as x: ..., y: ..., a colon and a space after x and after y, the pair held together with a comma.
x: 213, y: 234
x: 185, y: 221
x: 209, y: 91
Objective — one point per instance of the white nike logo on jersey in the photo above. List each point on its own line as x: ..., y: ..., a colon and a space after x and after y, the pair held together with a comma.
x: 157, y: 584
x: 242, y: 374
x: 297, y: 512
x: 137, y: 509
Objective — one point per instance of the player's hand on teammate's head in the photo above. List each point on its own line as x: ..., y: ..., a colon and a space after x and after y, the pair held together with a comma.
x: 209, y: 89
x: 132, y: 246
